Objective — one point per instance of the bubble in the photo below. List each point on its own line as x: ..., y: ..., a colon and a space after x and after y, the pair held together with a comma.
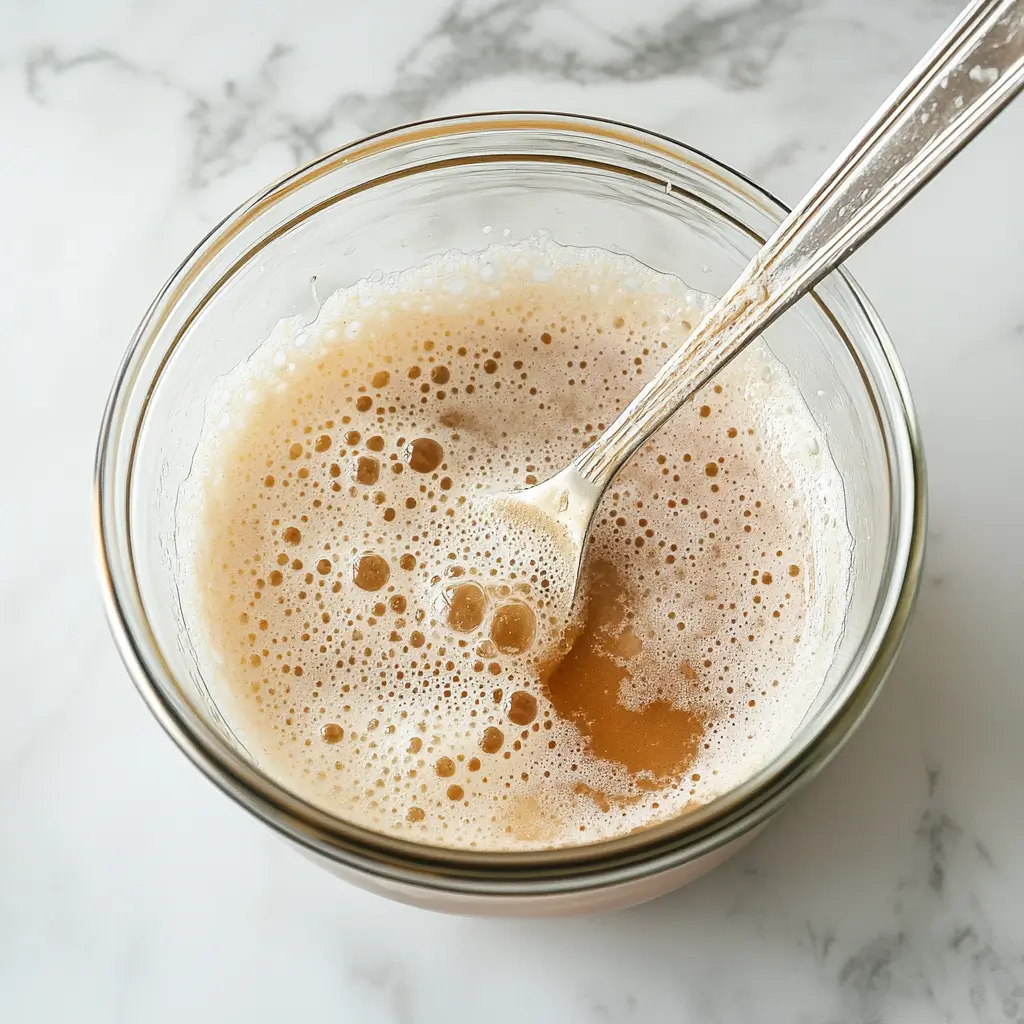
x: 492, y: 740
x: 522, y: 707
x: 370, y: 571
x: 424, y: 454
x: 513, y: 627
x: 465, y: 606
x: 367, y: 470
x: 332, y: 732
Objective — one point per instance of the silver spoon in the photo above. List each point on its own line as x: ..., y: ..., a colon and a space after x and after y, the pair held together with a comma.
x: 970, y: 74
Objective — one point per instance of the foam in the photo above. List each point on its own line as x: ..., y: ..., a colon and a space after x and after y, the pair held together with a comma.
x: 367, y: 701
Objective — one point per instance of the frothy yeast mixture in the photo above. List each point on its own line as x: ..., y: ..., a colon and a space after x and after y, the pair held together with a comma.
x: 383, y: 650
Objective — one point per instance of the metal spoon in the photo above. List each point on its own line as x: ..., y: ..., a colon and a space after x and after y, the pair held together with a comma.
x: 970, y: 74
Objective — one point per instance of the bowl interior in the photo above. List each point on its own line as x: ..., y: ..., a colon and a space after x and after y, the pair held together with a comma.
x: 393, y: 206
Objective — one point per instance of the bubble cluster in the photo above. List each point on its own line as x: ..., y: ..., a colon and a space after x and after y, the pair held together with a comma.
x: 392, y: 652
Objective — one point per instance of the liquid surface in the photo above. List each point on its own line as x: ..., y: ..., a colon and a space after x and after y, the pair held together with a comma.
x: 387, y: 651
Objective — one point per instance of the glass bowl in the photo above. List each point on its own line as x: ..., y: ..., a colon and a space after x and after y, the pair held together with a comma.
x: 390, y: 202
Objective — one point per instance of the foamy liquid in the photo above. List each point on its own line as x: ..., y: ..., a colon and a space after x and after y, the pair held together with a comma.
x: 327, y: 535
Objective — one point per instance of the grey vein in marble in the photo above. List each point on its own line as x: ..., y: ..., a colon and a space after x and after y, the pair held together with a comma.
x: 928, y: 908
x: 469, y: 43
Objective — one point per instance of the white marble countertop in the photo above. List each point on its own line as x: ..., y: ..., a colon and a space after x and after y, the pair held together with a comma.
x: 131, y: 890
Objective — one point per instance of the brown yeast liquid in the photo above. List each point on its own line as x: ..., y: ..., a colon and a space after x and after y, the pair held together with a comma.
x: 394, y: 656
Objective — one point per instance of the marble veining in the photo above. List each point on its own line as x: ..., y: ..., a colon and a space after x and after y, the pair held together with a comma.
x: 469, y: 43
x: 131, y: 890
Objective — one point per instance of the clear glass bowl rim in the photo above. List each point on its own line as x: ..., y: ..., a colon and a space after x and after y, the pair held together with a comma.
x: 530, y: 873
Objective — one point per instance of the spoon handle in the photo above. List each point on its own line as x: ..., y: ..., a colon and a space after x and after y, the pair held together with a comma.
x: 970, y: 74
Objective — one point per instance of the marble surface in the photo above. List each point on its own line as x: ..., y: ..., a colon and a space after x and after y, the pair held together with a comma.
x: 131, y: 890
